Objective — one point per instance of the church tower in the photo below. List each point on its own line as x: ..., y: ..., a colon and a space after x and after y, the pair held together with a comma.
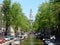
x: 31, y: 17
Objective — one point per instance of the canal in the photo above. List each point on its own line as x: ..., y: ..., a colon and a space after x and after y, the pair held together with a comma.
x: 31, y: 41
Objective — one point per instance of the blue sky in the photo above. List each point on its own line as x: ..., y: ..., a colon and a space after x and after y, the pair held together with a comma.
x: 27, y: 4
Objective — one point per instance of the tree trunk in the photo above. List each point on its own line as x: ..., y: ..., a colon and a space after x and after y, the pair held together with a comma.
x: 7, y: 32
x: 16, y: 29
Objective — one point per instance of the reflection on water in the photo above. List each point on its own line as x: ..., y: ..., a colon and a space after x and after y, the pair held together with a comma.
x: 31, y: 41
x: 38, y: 42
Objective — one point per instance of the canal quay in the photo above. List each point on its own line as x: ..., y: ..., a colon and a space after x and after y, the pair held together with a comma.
x: 31, y: 41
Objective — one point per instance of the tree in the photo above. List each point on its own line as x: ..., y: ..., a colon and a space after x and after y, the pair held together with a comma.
x: 6, y: 12
x: 45, y: 17
x: 0, y: 19
x: 13, y: 16
x: 18, y: 19
x: 24, y: 23
x: 54, y: 1
x: 16, y: 11
x: 56, y: 10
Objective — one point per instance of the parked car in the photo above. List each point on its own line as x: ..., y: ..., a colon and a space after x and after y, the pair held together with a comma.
x: 50, y: 41
x: 46, y: 41
x: 11, y: 37
x: 7, y: 38
x: 2, y: 40
x: 51, y: 44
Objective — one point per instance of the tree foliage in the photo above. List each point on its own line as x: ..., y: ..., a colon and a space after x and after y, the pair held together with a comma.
x: 48, y: 15
x: 56, y: 10
x: 45, y: 17
x: 18, y: 18
x: 14, y: 16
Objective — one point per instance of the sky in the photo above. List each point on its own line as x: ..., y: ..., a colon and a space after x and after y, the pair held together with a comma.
x: 27, y: 4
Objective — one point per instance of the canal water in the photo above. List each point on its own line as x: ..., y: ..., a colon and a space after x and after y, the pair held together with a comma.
x: 31, y: 41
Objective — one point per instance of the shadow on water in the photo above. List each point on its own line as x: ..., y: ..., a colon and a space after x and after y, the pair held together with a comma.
x: 38, y: 42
